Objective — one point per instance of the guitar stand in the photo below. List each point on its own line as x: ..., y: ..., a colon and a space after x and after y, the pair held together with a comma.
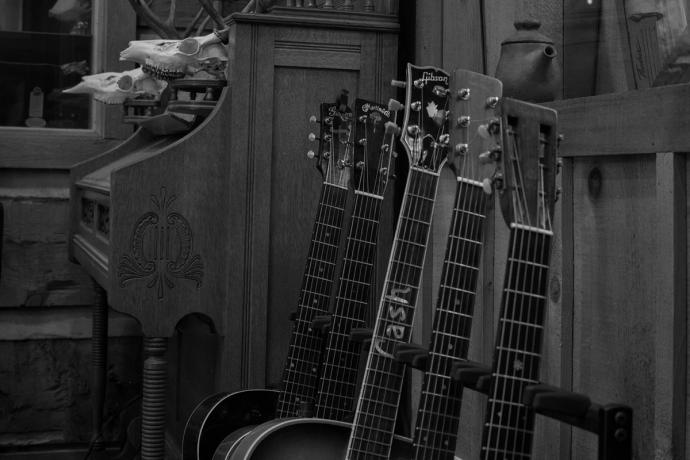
x: 611, y: 422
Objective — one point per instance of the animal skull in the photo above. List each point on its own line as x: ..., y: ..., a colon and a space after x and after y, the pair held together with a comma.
x: 172, y: 59
x: 115, y: 87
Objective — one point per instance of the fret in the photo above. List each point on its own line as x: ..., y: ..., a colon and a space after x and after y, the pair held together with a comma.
x: 368, y: 195
x: 528, y: 262
x: 527, y: 294
x: 463, y: 253
x: 465, y: 240
x: 353, y: 261
x: 515, y: 377
x: 456, y: 289
x: 521, y: 323
x: 413, y: 232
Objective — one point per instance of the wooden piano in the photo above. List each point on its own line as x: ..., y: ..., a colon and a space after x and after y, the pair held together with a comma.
x: 215, y: 220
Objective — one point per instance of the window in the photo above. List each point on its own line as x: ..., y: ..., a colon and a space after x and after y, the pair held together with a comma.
x: 45, y: 47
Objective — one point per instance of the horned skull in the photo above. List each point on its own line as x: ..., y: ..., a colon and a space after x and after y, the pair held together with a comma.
x: 172, y: 59
x: 115, y: 87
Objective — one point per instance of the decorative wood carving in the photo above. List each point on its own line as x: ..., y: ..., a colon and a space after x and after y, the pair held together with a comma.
x: 161, y: 249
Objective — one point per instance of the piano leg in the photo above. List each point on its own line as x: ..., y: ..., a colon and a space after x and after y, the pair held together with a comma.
x: 99, y: 359
x: 153, y: 404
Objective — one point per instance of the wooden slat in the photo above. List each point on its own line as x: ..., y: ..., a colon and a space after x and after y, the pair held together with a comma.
x: 671, y: 308
x: 635, y: 122
x: 567, y: 292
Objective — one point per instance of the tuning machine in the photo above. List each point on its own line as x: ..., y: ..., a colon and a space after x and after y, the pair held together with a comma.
x: 495, y: 182
x: 398, y: 83
x: 490, y: 156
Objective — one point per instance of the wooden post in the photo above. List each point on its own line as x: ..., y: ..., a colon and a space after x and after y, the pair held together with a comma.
x: 153, y: 399
x: 99, y: 360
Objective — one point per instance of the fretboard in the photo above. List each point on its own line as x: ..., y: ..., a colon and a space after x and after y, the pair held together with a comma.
x: 509, y: 425
x: 377, y: 406
x: 304, y: 353
x: 438, y: 415
x: 338, y: 384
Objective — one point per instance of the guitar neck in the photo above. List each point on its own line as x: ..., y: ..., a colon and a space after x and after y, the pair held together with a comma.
x: 509, y: 425
x: 338, y: 384
x: 439, y: 408
x: 377, y: 406
x: 304, y: 353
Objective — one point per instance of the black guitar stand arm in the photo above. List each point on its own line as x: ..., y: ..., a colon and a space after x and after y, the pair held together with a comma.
x: 612, y: 423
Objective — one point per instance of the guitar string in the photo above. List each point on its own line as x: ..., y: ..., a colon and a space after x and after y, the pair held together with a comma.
x: 367, y: 208
x: 456, y: 325
x: 538, y: 285
x: 356, y: 441
x: 326, y: 222
x: 492, y: 411
x: 473, y: 200
x: 508, y: 316
x: 406, y: 275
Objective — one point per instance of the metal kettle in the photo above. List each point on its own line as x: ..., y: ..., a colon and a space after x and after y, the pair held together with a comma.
x: 528, y: 66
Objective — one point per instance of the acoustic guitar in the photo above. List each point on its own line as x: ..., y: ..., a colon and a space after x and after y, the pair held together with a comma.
x: 231, y: 414
x: 372, y: 165
x: 526, y: 191
x: 475, y: 133
x: 371, y: 435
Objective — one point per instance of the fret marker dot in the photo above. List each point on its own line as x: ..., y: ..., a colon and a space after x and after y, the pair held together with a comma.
x: 320, y: 269
x: 315, y: 302
x: 313, y: 369
x: 444, y: 387
x: 450, y: 346
x: 309, y: 330
x: 518, y: 365
x: 292, y: 365
x: 328, y: 234
x: 445, y: 442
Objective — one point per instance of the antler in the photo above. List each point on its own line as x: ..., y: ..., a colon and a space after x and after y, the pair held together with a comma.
x: 213, y: 13
x: 166, y: 29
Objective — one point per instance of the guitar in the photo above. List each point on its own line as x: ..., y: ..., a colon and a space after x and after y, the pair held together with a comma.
x: 373, y: 166
x: 526, y: 190
x: 222, y: 414
x: 371, y: 435
x: 475, y: 134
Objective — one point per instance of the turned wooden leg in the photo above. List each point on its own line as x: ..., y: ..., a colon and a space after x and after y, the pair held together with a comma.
x: 99, y: 361
x: 153, y: 399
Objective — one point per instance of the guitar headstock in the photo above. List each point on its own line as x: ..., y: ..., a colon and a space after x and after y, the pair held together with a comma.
x: 334, y: 155
x: 526, y: 181
x: 374, y: 140
x: 475, y: 127
x: 425, y: 126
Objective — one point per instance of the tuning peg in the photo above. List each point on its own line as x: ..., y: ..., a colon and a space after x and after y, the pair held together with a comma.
x: 492, y: 102
x: 483, y: 131
x: 360, y: 165
x: 416, y: 106
x: 398, y: 83
x: 490, y: 156
x: 342, y: 164
x: 394, y: 105
x: 419, y: 83
x: 440, y: 91
x: 444, y: 139
x: 413, y: 130
x: 558, y: 194
x: 487, y: 186
x: 461, y: 148
x: 362, y: 141
x: 559, y: 165
x: 313, y: 119
x: 559, y: 139
x: 464, y: 121
x: 392, y: 128
x: 311, y: 155
x: 312, y: 137
x: 362, y: 119
x: 463, y: 94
